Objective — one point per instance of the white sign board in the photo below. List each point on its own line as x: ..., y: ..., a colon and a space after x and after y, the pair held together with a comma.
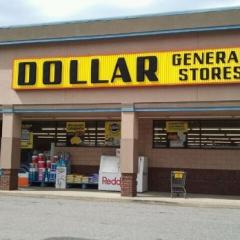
x: 61, y: 175
x: 109, y: 181
x: 109, y: 174
x: 109, y: 164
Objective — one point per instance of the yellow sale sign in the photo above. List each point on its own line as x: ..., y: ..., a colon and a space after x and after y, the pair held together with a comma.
x: 73, y: 127
x: 195, y: 67
x: 176, y: 126
x: 26, y: 139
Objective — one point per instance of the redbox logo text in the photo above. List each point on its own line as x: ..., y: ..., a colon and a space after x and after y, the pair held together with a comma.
x: 109, y: 181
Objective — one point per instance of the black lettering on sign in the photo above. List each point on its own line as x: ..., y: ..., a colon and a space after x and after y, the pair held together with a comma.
x: 220, y: 57
x: 198, y: 58
x: 176, y: 59
x: 187, y: 59
x: 233, y: 57
x: 236, y: 72
x: 209, y: 57
x: 183, y: 75
x: 47, y: 72
x: 150, y: 72
x: 204, y: 74
x: 227, y: 73
x: 194, y: 73
x: 216, y: 73
x: 95, y: 72
x: 22, y: 73
x: 121, y: 66
x: 74, y: 73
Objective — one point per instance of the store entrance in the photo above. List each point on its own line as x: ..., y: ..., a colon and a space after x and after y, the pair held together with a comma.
x: 66, y: 153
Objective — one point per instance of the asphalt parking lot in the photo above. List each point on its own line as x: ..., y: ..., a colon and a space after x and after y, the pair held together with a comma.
x: 29, y: 218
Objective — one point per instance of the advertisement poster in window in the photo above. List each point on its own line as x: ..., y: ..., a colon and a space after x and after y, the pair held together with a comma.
x: 26, y: 138
x: 176, y: 133
x: 75, y: 133
x: 112, y: 133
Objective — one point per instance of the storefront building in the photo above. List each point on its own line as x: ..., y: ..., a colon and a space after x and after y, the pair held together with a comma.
x: 171, y: 82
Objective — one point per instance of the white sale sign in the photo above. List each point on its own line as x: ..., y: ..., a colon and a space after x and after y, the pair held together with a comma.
x: 61, y: 173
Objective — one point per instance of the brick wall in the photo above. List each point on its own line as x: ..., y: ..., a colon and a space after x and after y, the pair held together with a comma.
x: 9, y: 179
x: 204, y: 181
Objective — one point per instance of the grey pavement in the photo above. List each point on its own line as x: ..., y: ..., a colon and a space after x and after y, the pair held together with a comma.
x: 148, y: 197
x: 28, y: 218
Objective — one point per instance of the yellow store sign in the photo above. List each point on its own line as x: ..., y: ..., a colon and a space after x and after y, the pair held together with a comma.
x: 73, y: 127
x: 112, y: 132
x: 196, y: 67
x: 26, y: 139
x: 176, y: 126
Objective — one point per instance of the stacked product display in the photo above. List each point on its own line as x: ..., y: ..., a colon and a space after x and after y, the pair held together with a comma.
x: 43, y: 168
x: 82, y: 180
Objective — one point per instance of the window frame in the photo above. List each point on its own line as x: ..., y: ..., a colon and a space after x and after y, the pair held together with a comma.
x: 201, y: 125
x: 57, y: 123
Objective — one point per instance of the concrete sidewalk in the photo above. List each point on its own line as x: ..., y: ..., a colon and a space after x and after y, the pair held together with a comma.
x: 148, y: 197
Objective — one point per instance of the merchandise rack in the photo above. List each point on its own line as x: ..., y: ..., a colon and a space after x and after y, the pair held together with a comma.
x: 83, y: 185
x: 41, y: 183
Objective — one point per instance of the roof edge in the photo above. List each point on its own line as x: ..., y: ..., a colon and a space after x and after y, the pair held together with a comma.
x: 118, y: 35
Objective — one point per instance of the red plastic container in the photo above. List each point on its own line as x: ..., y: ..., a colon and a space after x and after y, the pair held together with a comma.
x: 48, y: 164
x: 55, y: 159
x: 41, y: 164
x: 40, y: 157
x: 34, y: 159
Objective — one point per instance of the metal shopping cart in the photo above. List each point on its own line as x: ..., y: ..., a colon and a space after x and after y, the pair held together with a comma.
x: 178, y: 180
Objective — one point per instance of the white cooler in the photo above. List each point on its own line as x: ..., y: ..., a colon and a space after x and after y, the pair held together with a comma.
x: 109, y: 174
x: 142, y: 175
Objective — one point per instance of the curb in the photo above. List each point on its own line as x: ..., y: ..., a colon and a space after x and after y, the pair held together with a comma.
x: 171, y: 202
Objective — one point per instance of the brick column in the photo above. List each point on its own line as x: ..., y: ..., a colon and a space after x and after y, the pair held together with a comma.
x: 129, y: 153
x: 129, y: 185
x: 10, y: 151
x: 9, y: 179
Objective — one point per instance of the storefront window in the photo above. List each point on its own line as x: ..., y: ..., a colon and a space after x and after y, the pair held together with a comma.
x: 108, y: 133
x: 40, y: 135
x: 217, y: 134
x: 193, y: 135
x: 61, y: 135
x: 159, y: 134
x: 82, y: 133
x: 220, y: 134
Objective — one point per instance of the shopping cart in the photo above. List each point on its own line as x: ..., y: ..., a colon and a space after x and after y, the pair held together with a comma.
x: 178, y: 180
